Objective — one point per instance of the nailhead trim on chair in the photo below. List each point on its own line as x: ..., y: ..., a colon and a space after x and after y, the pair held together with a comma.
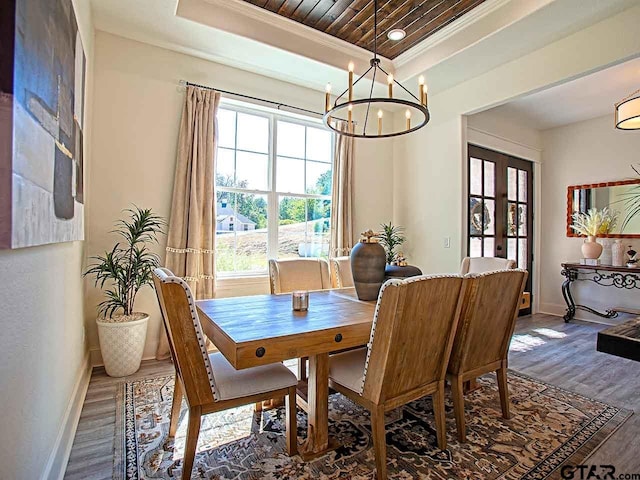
x: 170, y: 278
x: 388, y: 283
x: 491, y: 272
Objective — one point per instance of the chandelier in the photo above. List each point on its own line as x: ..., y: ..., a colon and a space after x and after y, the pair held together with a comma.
x: 359, y: 111
x: 628, y: 112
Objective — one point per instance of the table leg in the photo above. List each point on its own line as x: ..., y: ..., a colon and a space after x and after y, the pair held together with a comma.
x: 317, y: 442
x: 570, y: 276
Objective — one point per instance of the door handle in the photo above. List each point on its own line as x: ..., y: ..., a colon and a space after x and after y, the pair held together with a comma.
x: 499, y: 248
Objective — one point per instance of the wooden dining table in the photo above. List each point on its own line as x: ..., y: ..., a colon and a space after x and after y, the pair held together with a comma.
x: 264, y: 329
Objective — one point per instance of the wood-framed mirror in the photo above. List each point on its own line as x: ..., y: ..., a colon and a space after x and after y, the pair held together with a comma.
x: 581, y: 198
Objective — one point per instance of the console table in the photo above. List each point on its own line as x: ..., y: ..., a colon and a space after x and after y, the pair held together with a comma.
x: 620, y: 277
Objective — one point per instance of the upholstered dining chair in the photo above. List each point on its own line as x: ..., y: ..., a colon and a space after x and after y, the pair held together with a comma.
x: 485, y: 264
x: 341, y: 276
x: 411, y: 337
x: 288, y: 275
x: 208, y: 381
x: 489, y: 311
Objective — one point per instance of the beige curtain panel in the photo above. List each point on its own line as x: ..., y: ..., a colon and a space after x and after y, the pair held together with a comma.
x: 342, y: 196
x: 192, y: 228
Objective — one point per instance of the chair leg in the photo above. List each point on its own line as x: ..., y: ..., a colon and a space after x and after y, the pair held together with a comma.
x: 175, y: 407
x: 458, y: 407
x: 439, y: 414
x: 503, y: 388
x: 292, y: 422
x: 379, y: 442
x: 302, y: 368
x: 193, y: 430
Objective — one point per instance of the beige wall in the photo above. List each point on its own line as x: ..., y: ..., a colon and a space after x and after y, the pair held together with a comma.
x: 43, y: 357
x: 585, y: 152
x: 137, y: 112
x: 430, y: 164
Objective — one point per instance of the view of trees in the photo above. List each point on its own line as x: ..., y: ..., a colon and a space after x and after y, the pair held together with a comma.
x: 292, y: 210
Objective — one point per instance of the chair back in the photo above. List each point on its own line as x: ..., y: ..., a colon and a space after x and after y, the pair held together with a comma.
x: 411, y: 336
x: 485, y: 264
x: 489, y: 312
x: 299, y: 274
x: 186, y: 340
x: 341, y: 276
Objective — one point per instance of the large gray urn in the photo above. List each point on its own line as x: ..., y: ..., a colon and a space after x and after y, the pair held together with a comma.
x: 367, y: 266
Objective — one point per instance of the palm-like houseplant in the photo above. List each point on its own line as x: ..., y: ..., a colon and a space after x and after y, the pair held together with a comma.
x: 121, y: 273
x: 391, y: 237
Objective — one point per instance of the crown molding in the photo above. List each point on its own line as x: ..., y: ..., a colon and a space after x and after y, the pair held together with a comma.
x: 291, y: 27
x: 449, y: 31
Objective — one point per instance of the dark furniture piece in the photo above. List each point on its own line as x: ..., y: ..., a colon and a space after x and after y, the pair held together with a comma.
x: 622, y: 340
x: 620, y: 277
x: 394, y: 271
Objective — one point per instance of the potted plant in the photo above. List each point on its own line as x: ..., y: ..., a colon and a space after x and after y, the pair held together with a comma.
x: 125, y: 270
x: 391, y: 238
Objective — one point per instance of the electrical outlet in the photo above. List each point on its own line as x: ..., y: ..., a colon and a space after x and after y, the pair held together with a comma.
x: 447, y: 242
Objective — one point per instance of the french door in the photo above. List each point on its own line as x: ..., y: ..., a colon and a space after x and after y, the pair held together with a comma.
x: 500, y: 218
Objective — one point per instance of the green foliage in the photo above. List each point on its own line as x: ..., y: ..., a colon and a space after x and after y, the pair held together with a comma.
x: 129, y: 265
x: 632, y: 202
x: 391, y: 237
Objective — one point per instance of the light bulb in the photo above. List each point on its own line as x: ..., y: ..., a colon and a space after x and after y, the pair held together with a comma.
x: 421, y: 80
x: 351, y: 66
x: 407, y: 114
x: 379, y: 113
x: 350, y: 107
x: 390, y: 79
x: 328, y: 88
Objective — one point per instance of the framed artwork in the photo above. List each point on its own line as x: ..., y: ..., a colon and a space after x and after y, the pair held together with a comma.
x: 42, y: 85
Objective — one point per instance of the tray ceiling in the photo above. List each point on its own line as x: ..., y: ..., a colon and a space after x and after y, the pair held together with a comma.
x: 352, y: 20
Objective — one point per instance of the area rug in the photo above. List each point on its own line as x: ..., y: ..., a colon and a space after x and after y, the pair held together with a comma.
x: 549, y: 427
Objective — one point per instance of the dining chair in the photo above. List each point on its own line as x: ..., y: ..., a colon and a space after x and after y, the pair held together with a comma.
x: 485, y: 264
x: 411, y: 337
x: 208, y: 381
x: 288, y: 275
x: 489, y: 311
x: 341, y: 276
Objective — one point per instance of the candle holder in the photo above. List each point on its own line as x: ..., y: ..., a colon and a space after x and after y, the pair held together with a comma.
x: 300, y: 300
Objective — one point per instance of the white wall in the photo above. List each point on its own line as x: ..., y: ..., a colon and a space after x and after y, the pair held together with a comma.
x: 137, y: 112
x: 585, y: 152
x: 43, y: 357
x: 429, y: 179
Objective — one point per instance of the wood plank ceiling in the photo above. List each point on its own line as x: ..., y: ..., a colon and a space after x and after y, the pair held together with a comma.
x: 352, y: 20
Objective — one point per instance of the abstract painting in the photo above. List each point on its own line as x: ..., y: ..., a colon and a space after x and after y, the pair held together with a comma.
x: 42, y: 80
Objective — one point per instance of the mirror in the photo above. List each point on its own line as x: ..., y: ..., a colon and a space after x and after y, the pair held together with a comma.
x: 581, y: 198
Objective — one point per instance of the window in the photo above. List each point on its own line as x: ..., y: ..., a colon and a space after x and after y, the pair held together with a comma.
x: 273, y: 178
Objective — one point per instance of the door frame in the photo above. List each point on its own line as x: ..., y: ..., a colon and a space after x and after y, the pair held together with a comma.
x: 516, y: 149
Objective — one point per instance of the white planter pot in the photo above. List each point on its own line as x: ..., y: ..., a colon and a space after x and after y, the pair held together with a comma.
x: 121, y: 345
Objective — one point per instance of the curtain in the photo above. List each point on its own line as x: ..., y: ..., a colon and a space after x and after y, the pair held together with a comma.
x: 192, y: 228
x: 342, y: 196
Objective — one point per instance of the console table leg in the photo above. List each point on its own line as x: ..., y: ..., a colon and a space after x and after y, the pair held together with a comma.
x: 568, y: 298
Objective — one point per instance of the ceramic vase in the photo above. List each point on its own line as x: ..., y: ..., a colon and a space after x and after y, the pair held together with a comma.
x: 591, y: 248
x: 605, y: 257
x: 617, y: 254
x: 367, y: 266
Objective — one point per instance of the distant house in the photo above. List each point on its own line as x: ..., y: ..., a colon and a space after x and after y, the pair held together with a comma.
x: 228, y: 221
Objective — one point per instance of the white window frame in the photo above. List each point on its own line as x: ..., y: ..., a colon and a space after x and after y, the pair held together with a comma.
x: 273, y: 205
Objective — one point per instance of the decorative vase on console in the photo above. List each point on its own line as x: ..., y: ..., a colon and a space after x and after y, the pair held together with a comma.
x: 368, y: 259
x: 606, y: 256
x: 591, y: 248
x: 591, y: 224
x: 617, y: 254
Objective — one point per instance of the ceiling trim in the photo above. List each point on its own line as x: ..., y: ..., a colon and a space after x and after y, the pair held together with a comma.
x: 292, y: 27
x: 449, y: 31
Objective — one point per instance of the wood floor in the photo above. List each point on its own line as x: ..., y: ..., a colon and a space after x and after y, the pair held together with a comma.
x: 544, y: 347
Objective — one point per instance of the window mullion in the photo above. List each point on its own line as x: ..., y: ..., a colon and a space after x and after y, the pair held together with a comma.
x: 273, y: 201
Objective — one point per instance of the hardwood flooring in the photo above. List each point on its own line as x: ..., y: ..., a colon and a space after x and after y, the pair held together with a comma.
x: 543, y: 347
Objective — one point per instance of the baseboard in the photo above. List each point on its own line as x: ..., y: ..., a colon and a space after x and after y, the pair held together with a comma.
x: 553, y: 309
x: 59, y: 457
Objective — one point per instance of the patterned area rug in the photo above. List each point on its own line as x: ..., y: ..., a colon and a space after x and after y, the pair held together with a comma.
x: 549, y: 427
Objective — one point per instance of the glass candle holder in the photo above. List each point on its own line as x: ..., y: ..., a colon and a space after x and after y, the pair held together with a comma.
x: 300, y: 300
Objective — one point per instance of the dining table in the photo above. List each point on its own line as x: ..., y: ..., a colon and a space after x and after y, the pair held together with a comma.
x: 263, y: 329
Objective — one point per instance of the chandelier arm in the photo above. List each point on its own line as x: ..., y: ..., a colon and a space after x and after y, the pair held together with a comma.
x: 399, y: 84
x: 366, y: 117
x: 354, y: 83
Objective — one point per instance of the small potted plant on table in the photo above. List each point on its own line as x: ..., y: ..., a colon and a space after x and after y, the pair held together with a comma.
x: 125, y: 270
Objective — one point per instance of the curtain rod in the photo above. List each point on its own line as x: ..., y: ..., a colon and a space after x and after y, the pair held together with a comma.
x: 185, y: 83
